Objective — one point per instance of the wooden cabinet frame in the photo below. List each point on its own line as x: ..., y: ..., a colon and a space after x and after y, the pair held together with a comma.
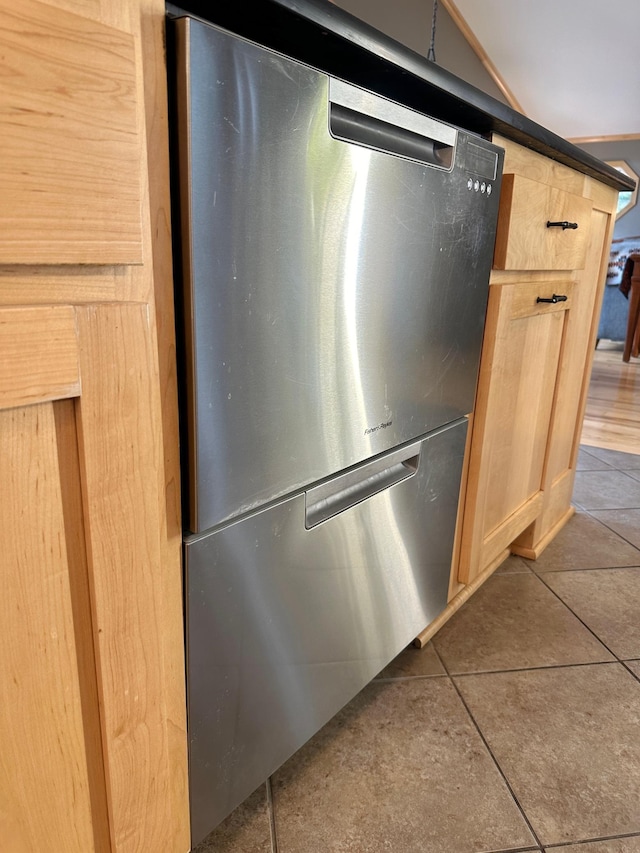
x: 525, y: 438
x: 487, y: 530
x: 93, y: 726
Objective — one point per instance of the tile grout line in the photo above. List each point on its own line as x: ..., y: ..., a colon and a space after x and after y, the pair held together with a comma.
x: 534, y: 834
x: 634, y: 674
x: 537, y: 668
x: 604, y: 523
x: 407, y: 677
x: 583, y: 508
x: 272, y: 816
x: 582, y: 622
x: 591, y: 569
x: 528, y: 849
x: 615, y: 467
x: 618, y: 659
x: 562, y: 844
x: 608, y: 509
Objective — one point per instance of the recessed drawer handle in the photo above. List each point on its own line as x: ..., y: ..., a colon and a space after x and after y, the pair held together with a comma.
x: 351, y: 488
x: 564, y: 225
x: 557, y: 297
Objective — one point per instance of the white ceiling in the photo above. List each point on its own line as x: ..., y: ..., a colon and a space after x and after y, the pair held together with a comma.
x: 573, y: 65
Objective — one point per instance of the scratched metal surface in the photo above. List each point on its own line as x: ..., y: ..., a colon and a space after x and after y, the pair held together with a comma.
x: 335, y: 294
x: 286, y: 625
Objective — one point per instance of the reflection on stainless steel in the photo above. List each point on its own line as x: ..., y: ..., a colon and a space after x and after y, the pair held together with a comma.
x: 345, y: 490
x: 380, y: 109
x: 336, y: 260
x: 331, y: 288
x: 285, y: 624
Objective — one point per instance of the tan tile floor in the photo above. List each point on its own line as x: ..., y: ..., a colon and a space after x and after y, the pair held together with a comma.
x: 517, y: 728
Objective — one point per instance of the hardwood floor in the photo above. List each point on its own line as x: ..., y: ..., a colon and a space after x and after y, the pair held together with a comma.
x: 612, y: 418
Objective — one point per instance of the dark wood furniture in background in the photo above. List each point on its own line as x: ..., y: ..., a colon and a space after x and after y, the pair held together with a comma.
x: 632, y: 340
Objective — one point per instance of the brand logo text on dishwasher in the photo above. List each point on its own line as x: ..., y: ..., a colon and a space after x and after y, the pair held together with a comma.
x: 384, y: 425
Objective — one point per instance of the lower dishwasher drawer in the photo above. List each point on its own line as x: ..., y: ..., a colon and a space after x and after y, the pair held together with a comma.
x: 286, y: 622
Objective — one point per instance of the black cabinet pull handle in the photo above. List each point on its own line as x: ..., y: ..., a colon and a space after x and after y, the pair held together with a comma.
x: 564, y: 225
x: 557, y: 297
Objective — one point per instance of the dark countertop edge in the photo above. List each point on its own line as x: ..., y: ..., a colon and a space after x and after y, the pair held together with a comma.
x: 329, y: 38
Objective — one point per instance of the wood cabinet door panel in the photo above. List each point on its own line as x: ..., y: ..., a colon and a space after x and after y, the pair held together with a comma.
x: 48, y: 754
x: 83, y: 678
x: 523, y: 239
x: 521, y: 402
x: 516, y: 393
x: 70, y: 149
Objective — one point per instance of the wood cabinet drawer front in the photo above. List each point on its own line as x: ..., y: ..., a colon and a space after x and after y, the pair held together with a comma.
x: 69, y: 139
x: 543, y: 297
x: 523, y: 240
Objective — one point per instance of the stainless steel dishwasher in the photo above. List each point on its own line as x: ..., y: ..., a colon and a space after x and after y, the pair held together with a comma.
x: 336, y: 249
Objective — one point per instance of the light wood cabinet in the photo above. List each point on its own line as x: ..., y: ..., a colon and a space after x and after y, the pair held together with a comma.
x: 535, y: 362
x: 520, y: 371
x: 526, y: 239
x: 92, y: 708
x: 571, y: 390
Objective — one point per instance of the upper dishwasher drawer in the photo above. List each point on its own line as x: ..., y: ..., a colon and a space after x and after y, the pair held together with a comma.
x: 540, y: 227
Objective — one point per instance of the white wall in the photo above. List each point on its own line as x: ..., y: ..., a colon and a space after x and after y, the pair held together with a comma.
x: 409, y: 22
x: 629, y: 150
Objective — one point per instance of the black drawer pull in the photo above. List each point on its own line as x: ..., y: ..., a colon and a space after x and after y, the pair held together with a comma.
x: 557, y: 297
x: 564, y: 225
